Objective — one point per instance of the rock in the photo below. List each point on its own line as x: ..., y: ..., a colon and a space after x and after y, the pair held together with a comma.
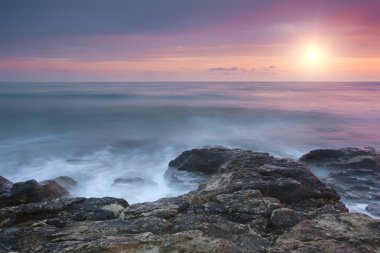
x: 163, y: 208
x: 66, y: 182
x: 374, y: 209
x: 346, y: 232
x: 246, y: 202
x: 51, y: 190
x: 249, y: 202
x: 285, y: 218
x: 347, y: 158
x: 5, y: 187
x: 354, y: 172
x: 31, y: 191
x: 286, y: 180
x: 362, y: 185
x: 206, y: 160
x: 134, y: 181
x: 184, y: 180
x: 62, y: 211
x: 194, y: 241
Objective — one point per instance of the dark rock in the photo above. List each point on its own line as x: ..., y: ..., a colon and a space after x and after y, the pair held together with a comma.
x: 285, y: 218
x: 206, y: 160
x: 31, y: 191
x: 361, y: 185
x: 13, y: 215
x: 247, y: 202
x: 182, y: 179
x: 347, y: 158
x: 286, y: 180
x: 374, y: 209
x: 28, y: 191
x: 163, y: 208
x: 5, y: 187
x: 353, y: 172
x: 63, y: 211
x: 96, y: 209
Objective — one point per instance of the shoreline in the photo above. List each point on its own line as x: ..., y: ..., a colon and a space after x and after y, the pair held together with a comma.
x: 250, y: 202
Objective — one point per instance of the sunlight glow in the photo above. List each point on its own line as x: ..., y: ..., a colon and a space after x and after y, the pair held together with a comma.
x: 313, y: 55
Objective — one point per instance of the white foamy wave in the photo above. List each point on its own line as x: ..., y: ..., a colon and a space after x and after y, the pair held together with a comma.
x: 359, y: 208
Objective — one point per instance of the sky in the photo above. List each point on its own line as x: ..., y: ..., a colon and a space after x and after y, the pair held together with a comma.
x: 197, y: 40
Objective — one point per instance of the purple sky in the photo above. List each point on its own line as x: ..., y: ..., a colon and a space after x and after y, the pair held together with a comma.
x: 169, y: 40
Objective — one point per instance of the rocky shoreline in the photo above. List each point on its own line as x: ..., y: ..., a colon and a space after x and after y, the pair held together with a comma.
x: 249, y: 202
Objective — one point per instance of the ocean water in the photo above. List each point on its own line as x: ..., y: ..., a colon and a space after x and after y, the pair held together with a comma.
x: 99, y: 132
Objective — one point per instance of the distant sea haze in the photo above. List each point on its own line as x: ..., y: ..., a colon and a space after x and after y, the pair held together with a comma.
x: 100, y: 132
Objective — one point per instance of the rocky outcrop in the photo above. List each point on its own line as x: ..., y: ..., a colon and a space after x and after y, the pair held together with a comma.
x: 345, y: 158
x: 353, y: 172
x: 206, y: 160
x: 249, y: 202
x: 356, y: 184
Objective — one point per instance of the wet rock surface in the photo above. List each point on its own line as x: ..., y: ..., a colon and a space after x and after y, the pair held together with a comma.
x: 249, y: 202
x: 345, y: 158
x: 353, y: 172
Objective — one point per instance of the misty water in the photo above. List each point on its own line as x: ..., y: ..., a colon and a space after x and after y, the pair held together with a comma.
x: 99, y: 132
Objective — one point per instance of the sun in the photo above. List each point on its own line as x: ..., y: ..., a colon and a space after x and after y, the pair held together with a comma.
x: 313, y: 55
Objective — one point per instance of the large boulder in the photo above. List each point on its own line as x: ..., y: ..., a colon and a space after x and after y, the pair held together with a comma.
x: 345, y: 158
x: 287, y: 180
x: 206, y: 160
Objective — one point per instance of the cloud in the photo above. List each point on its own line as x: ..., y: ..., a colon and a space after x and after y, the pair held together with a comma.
x: 230, y: 70
x: 268, y: 70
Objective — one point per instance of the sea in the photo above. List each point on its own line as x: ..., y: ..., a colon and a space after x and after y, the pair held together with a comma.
x: 97, y: 133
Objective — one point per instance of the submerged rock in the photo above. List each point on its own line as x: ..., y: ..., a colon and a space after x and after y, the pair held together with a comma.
x: 134, y: 181
x: 66, y: 182
x: 249, y: 202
